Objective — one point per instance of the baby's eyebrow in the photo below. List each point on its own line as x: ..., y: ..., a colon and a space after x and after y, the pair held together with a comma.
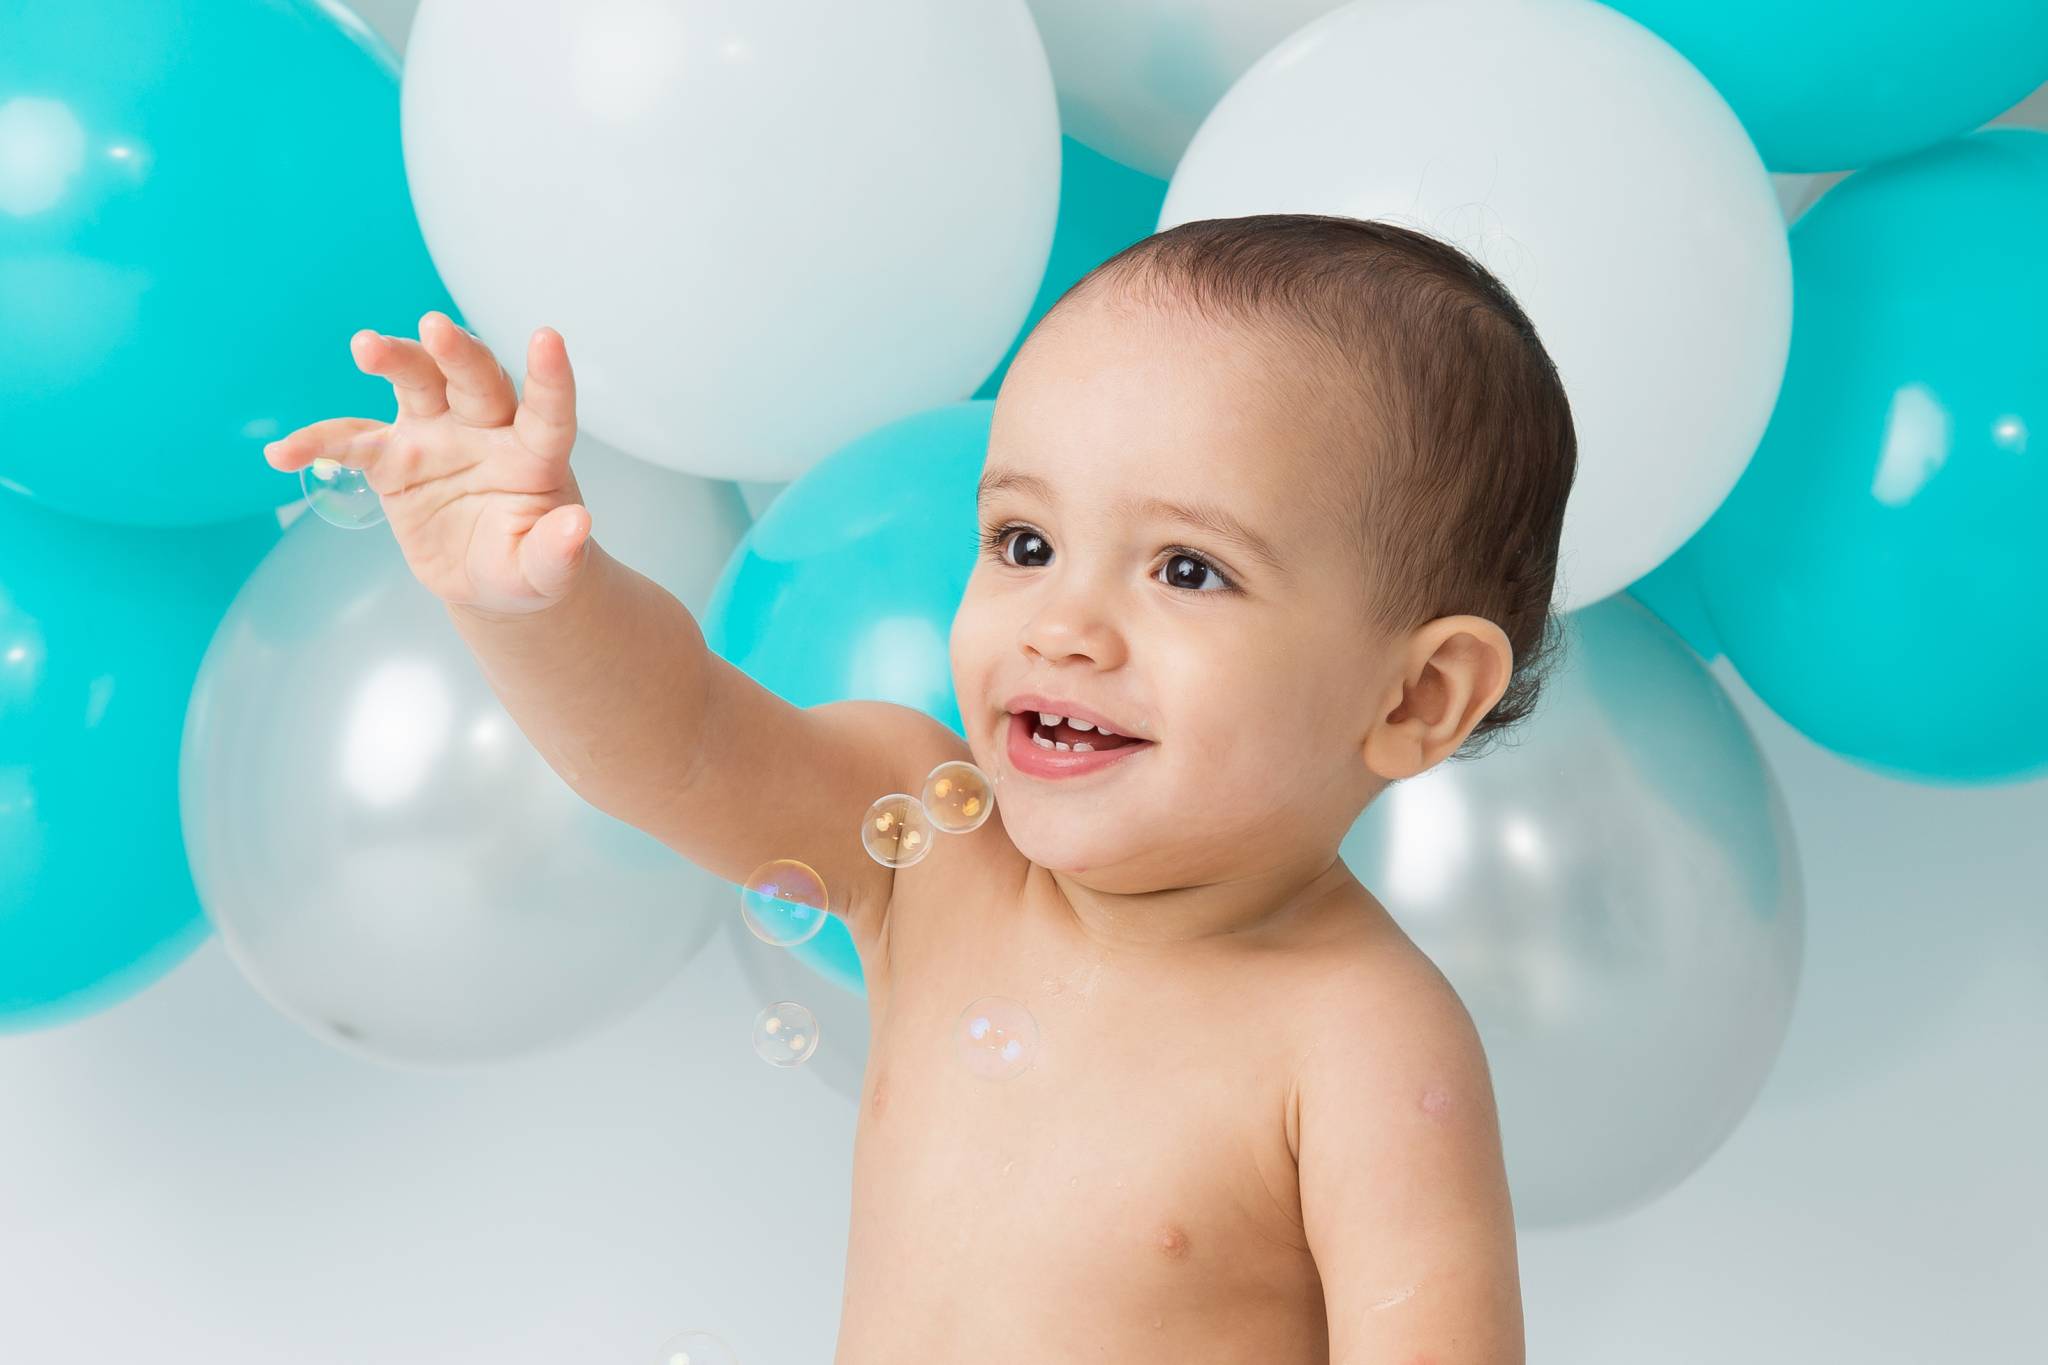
x: 1206, y: 516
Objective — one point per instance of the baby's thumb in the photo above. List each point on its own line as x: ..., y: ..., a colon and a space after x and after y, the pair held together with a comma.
x: 553, y: 549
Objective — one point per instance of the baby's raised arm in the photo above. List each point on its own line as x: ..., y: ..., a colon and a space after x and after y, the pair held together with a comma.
x: 603, y: 669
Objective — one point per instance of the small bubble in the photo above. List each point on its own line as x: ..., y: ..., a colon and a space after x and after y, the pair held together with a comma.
x: 998, y: 1037
x: 783, y: 902
x: 785, y: 1034
x: 958, y: 797
x: 341, y: 494
x: 896, y: 831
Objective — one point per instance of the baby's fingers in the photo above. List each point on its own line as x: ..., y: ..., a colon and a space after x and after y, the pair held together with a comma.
x: 479, y: 391
x: 546, y: 420
x: 329, y: 439
x: 415, y: 376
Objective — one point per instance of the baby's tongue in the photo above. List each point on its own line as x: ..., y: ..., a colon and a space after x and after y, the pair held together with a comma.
x: 1064, y: 733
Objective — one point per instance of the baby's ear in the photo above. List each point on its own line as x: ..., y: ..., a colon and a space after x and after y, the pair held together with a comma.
x: 1455, y: 669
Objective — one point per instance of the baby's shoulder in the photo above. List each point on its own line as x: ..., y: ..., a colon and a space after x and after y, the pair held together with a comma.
x: 1374, y: 1005
x: 1354, y: 954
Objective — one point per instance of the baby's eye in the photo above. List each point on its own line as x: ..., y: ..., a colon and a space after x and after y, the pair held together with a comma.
x: 997, y: 539
x: 1184, y: 568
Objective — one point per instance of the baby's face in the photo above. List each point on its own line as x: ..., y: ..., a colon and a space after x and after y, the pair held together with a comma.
x: 1254, y: 680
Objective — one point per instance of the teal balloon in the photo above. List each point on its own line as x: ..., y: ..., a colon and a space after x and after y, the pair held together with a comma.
x: 102, y: 629
x: 1672, y: 593
x: 1104, y: 207
x: 199, y: 205
x: 1879, y: 575
x: 1825, y: 86
x: 846, y: 587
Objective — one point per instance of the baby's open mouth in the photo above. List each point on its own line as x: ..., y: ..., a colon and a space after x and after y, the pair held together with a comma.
x: 1058, y: 732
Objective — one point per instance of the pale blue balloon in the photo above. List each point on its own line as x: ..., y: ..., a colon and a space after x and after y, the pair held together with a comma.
x: 1616, y: 896
x: 199, y: 205
x: 390, y: 862
x: 102, y: 630
x: 1879, y: 575
x: 847, y: 585
x: 1824, y: 86
x: 1104, y: 207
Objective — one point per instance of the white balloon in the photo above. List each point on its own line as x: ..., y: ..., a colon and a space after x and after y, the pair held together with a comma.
x: 1594, y: 171
x: 387, y: 858
x: 762, y: 229
x: 1136, y: 77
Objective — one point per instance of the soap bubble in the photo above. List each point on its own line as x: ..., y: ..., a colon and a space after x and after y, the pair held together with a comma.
x: 958, y: 797
x: 341, y: 494
x: 896, y: 830
x: 786, y: 1034
x: 997, y: 1037
x: 695, y: 1348
x: 783, y: 902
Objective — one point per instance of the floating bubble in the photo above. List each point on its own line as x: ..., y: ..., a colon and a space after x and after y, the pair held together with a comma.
x: 786, y: 1034
x: 958, y: 797
x: 896, y: 830
x: 341, y: 494
x: 695, y: 1348
x: 997, y: 1037
x: 784, y: 903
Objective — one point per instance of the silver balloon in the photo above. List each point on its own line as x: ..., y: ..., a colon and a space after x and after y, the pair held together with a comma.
x: 1616, y: 898
x: 388, y: 859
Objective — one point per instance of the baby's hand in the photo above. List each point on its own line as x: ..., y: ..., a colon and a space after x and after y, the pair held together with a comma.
x: 475, y: 482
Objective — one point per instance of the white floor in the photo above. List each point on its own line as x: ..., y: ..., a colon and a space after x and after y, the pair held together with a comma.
x: 189, y: 1178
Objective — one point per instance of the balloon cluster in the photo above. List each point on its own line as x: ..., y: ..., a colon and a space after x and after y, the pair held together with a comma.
x: 780, y: 268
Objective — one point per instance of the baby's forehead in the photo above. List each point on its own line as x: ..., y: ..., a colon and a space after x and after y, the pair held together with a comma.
x: 1111, y: 399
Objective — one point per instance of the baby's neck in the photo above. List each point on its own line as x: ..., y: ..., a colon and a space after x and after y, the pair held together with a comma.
x: 1179, y: 916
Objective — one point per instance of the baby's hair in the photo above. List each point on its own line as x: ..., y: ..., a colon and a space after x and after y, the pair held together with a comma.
x: 1453, y: 466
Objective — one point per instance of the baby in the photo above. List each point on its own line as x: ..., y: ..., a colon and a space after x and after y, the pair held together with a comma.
x: 1270, y: 519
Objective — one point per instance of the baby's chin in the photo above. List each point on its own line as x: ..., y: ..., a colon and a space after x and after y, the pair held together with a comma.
x: 1101, y: 859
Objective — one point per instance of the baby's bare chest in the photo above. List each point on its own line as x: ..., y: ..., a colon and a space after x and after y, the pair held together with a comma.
x: 1128, y: 1169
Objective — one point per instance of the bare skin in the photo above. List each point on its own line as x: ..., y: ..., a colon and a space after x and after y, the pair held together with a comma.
x: 1258, y: 1124
x: 1133, y: 1195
